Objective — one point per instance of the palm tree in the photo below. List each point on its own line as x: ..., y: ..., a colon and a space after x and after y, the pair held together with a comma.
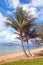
x: 22, y: 23
x: 39, y: 30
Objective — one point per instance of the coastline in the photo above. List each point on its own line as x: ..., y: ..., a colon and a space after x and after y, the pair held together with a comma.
x: 17, y: 56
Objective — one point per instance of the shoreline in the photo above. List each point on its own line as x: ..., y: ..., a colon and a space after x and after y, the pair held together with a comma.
x: 31, y: 50
x: 17, y: 56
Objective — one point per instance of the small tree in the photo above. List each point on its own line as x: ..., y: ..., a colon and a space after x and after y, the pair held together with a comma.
x: 39, y: 31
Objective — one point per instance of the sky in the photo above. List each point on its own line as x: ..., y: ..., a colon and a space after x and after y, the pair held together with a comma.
x: 8, y: 7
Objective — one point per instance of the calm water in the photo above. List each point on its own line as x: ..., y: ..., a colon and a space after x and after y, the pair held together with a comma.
x: 6, y: 49
x: 13, y: 48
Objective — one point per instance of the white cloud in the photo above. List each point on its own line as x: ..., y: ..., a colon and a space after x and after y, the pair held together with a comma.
x: 33, y: 11
x: 2, y: 19
x: 5, y: 35
x: 9, y: 12
x: 12, y: 3
x: 40, y: 13
x: 32, y: 5
x: 37, y: 3
x: 15, y: 3
x: 25, y: 6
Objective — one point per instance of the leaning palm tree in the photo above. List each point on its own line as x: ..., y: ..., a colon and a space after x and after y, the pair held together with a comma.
x: 22, y: 24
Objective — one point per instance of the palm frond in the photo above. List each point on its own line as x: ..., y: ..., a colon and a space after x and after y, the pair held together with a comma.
x: 33, y: 34
x: 12, y: 22
x: 18, y: 38
x: 17, y: 33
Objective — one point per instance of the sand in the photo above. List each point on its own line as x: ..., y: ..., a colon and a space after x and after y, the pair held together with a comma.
x: 17, y: 56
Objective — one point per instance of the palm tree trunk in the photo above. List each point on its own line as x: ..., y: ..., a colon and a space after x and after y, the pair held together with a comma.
x: 24, y: 49
x: 28, y: 49
x: 22, y: 44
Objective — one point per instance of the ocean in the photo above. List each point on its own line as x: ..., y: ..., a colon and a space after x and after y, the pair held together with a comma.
x: 13, y: 48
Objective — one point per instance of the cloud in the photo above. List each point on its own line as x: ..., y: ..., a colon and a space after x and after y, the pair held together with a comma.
x: 12, y: 3
x: 5, y: 36
x: 37, y: 3
x: 40, y: 13
x: 9, y: 12
x: 5, y: 33
x: 2, y: 19
x: 27, y: 7
x: 15, y: 3
x: 31, y: 5
x: 33, y: 11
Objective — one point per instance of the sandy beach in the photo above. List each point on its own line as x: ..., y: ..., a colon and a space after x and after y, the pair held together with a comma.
x: 17, y: 56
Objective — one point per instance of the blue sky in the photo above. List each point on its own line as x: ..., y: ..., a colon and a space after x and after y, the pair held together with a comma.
x: 7, y: 7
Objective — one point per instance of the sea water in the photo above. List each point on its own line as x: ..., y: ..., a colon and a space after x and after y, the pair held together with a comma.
x: 13, y: 48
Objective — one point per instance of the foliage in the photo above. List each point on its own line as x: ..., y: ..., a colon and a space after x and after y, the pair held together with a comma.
x: 39, y: 30
x: 22, y: 23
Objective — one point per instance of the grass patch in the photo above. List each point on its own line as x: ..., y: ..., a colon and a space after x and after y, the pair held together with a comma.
x: 36, y: 61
